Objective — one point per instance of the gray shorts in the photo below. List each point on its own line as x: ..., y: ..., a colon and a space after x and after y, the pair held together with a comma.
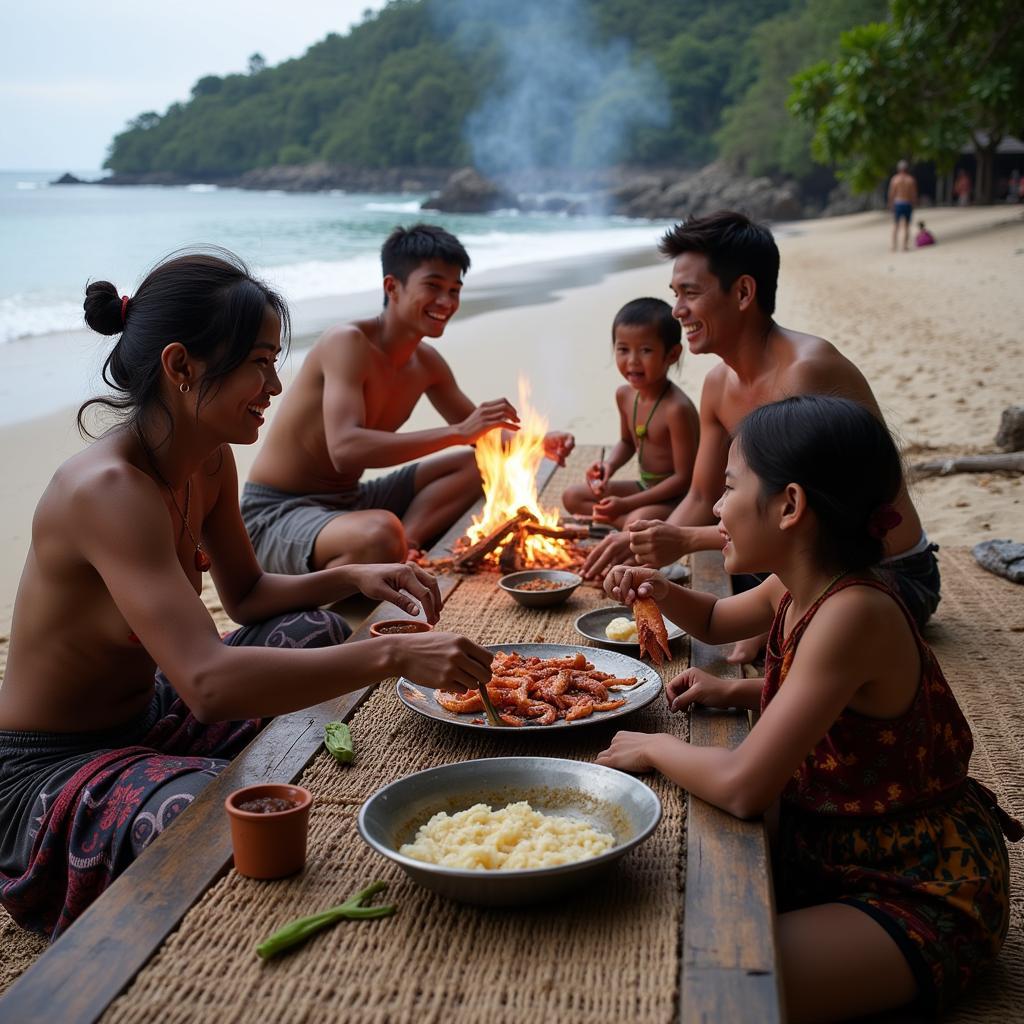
x: 284, y: 527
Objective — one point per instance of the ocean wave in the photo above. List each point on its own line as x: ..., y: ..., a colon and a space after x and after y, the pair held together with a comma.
x: 26, y: 314
x: 22, y: 316
x: 199, y: 187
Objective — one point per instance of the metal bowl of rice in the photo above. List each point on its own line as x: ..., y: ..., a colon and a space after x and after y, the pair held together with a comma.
x: 610, y: 801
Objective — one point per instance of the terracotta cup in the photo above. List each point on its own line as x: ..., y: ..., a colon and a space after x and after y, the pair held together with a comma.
x: 269, y: 844
x: 388, y: 627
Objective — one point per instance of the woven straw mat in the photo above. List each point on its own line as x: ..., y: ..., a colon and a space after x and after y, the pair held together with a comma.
x: 608, y: 954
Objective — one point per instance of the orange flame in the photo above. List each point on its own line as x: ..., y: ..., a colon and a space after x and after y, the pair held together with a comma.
x: 509, y: 473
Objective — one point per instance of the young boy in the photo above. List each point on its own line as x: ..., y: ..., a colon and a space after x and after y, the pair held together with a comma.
x: 305, y: 506
x: 657, y: 421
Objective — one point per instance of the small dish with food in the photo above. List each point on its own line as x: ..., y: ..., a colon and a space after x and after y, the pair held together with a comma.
x: 540, y: 588
x: 269, y: 822
x: 391, y: 627
x: 615, y: 626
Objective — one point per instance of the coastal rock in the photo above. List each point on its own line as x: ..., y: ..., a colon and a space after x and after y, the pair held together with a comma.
x: 68, y: 179
x: 695, y: 193
x: 1010, y: 436
x: 468, y: 191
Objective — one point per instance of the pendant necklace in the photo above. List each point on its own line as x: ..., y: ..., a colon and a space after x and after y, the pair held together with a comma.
x: 202, y: 559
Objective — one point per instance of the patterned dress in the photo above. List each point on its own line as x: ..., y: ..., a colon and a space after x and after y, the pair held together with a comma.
x: 881, y: 815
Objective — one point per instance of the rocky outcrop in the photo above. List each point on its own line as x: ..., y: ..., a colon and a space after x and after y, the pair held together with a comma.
x: 674, y: 196
x: 68, y: 179
x: 323, y: 177
x: 468, y: 191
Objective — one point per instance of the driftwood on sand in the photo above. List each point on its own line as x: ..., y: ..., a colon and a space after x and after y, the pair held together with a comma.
x: 1011, y: 461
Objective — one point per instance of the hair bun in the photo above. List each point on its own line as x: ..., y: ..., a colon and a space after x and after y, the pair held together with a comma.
x: 103, y: 308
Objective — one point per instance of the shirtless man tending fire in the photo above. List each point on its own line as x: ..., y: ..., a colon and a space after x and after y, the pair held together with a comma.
x: 724, y: 277
x: 305, y: 505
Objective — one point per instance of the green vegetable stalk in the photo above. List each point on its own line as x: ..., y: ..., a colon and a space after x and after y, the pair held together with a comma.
x: 296, y: 932
x: 338, y: 740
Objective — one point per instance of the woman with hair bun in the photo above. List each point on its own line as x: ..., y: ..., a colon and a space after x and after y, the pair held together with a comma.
x: 99, y: 748
x: 891, y: 870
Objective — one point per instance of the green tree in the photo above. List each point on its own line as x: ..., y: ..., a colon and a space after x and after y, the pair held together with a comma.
x: 758, y: 134
x: 938, y: 73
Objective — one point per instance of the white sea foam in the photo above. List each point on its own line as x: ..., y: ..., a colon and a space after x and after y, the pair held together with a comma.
x: 22, y: 316
x: 198, y: 187
x: 413, y: 206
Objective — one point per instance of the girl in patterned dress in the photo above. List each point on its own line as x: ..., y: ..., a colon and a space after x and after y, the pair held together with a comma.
x: 891, y: 868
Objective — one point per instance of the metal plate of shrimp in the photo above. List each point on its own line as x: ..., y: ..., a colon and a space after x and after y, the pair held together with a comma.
x: 547, y: 695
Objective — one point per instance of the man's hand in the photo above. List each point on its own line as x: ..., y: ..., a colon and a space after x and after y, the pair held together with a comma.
x: 655, y: 543
x: 496, y: 415
x: 693, y: 686
x: 558, y: 445
x: 613, y: 550
x: 406, y: 586
x: 628, y: 582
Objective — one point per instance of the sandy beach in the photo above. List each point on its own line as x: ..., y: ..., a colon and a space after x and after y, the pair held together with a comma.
x: 936, y: 331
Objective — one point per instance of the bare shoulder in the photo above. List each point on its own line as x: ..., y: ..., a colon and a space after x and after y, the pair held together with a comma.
x: 624, y: 396
x: 90, y: 485
x: 346, y: 345
x: 816, y: 366
x: 846, y: 618
x: 432, y: 365
x: 678, y: 399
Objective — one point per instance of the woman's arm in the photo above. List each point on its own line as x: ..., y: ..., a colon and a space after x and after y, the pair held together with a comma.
x: 831, y: 664
x: 135, y: 555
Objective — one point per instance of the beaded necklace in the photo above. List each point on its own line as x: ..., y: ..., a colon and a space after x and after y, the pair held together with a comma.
x: 641, y: 430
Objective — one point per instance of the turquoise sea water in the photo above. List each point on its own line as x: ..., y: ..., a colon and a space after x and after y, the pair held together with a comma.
x: 54, y: 239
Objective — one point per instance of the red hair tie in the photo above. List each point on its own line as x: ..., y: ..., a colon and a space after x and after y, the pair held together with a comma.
x: 882, y: 520
x: 124, y: 308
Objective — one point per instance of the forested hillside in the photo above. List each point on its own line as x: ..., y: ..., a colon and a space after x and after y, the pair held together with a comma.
x: 540, y: 83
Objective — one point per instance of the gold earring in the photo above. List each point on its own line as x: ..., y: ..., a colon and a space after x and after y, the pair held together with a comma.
x: 184, y: 388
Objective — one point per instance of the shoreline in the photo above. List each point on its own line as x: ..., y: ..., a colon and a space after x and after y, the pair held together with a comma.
x: 46, y: 373
x: 936, y: 332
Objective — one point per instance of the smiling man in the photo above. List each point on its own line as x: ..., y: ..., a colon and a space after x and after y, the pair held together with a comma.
x: 305, y: 505
x: 724, y: 276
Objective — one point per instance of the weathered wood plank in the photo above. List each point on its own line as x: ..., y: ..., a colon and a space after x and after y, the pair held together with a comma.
x: 729, y: 968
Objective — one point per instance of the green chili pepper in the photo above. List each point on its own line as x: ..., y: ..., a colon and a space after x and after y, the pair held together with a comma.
x: 338, y: 740
x: 296, y: 932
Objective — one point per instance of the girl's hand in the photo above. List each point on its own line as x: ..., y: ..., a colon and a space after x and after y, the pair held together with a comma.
x: 628, y: 582
x: 406, y: 586
x: 693, y: 686
x: 597, y: 478
x: 629, y: 752
x: 610, y: 508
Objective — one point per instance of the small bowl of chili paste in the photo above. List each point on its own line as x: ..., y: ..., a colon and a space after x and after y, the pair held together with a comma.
x: 540, y: 588
x: 269, y: 823
x: 390, y: 627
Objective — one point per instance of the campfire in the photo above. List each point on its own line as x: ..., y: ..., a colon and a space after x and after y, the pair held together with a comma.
x: 513, y: 532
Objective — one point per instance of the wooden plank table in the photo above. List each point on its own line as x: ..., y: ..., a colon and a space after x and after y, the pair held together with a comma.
x: 728, y: 963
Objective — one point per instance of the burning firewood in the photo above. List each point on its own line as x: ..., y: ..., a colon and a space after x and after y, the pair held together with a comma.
x: 483, y: 547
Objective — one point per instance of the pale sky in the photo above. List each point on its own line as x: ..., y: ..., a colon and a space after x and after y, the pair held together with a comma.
x: 73, y: 72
